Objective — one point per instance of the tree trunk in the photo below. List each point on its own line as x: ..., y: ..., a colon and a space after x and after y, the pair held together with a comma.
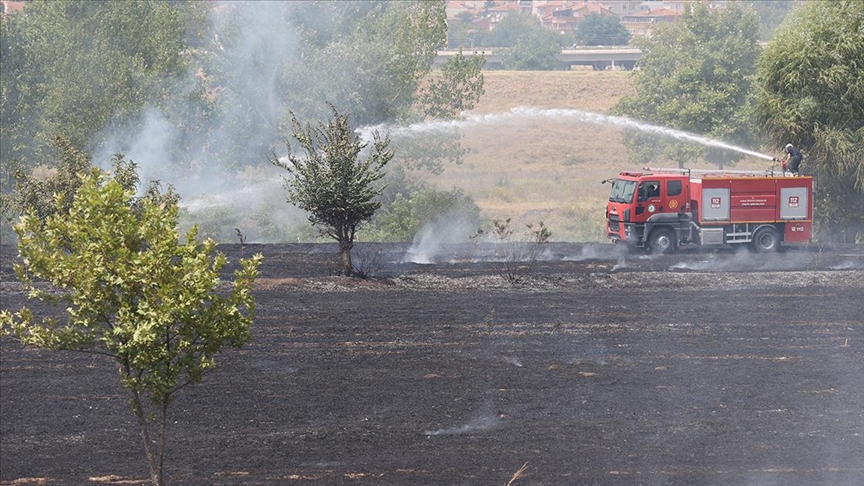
x: 154, y: 458
x: 345, y: 252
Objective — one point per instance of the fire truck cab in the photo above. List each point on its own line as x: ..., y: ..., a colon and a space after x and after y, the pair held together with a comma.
x: 662, y: 209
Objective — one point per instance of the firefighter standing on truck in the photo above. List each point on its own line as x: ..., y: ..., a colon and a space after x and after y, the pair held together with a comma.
x: 792, y: 160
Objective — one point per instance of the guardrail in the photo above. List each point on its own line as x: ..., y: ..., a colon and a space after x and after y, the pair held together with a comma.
x: 623, y: 57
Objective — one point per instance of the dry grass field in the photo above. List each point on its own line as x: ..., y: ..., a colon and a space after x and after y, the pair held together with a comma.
x: 533, y: 168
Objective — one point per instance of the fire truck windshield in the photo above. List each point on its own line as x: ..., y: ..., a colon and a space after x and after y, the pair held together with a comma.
x: 622, y: 191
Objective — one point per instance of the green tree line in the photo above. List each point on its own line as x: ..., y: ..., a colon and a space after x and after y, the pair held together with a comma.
x: 223, y: 79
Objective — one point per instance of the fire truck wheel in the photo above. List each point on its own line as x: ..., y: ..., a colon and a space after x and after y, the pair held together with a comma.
x: 661, y: 241
x: 766, y: 240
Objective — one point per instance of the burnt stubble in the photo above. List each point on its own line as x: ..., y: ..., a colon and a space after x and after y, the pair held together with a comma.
x: 597, y: 367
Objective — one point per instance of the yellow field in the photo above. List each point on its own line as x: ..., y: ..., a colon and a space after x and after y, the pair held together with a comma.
x: 533, y: 168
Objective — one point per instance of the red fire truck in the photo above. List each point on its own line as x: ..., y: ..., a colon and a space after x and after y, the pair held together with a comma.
x: 662, y: 209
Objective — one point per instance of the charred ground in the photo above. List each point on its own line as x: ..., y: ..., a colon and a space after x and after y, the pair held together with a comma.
x: 596, y: 368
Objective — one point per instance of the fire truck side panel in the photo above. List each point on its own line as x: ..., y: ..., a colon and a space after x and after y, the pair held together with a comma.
x: 718, y: 210
x: 715, y: 204
x: 754, y: 207
x: 798, y: 232
x: 751, y: 200
x: 796, y: 199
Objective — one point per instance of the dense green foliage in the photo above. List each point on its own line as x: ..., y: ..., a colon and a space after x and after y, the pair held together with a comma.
x: 811, y: 94
x: 771, y: 14
x: 75, y: 67
x: 597, y: 30
x: 457, y: 89
x: 528, y: 46
x: 409, y: 214
x: 48, y: 193
x: 202, y: 90
x: 224, y: 77
x: 331, y: 183
x: 461, y: 31
x: 536, y: 48
x: 370, y: 60
x: 133, y: 291
x: 696, y: 75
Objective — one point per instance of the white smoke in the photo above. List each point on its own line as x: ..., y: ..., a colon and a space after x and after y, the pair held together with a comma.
x: 742, y: 259
x: 484, y: 421
x: 255, y: 40
x: 596, y: 252
x: 621, y: 264
x: 432, y: 243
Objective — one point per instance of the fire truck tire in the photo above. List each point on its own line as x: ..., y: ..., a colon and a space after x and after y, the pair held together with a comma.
x: 766, y: 240
x: 662, y: 241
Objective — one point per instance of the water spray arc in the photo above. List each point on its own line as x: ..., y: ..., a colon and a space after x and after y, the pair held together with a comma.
x: 522, y: 113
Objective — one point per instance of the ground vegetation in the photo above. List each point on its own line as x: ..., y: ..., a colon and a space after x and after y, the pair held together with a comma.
x: 133, y: 292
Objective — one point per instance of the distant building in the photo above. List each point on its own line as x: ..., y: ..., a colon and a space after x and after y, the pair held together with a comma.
x: 10, y: 6
x: 498, y: 12
x: 623, y: 7
x: 456, y: 7
x: 563, y: 15
x: 641, y: 24
x: 638, y: 16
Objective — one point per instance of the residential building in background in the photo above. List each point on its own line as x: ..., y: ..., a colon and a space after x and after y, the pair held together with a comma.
x: 638, y: 16
x: 10, y: 6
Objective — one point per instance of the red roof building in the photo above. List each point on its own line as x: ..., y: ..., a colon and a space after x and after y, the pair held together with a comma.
x: 10, y: 6
x: 642, y: 23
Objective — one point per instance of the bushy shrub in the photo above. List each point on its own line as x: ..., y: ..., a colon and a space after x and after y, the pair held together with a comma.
x: 408, y: 215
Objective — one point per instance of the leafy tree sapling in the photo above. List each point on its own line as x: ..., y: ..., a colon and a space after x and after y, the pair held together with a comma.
x: 331, y: 183
x: 132, y: 291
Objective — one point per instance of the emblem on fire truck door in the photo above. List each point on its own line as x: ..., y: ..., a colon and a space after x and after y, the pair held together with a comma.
x: 673, y: 204
x: 651, y: 208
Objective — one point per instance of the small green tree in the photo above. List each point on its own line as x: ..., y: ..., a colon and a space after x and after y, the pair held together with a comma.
x: 599, y: 29
x: 336, y: 188
x: 408, y: 214
x: 132, y: 291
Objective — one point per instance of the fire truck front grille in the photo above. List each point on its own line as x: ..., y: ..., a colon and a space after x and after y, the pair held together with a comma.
x: 614, y: 224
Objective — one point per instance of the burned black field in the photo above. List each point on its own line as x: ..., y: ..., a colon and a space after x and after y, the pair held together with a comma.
x: 701, y: 368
